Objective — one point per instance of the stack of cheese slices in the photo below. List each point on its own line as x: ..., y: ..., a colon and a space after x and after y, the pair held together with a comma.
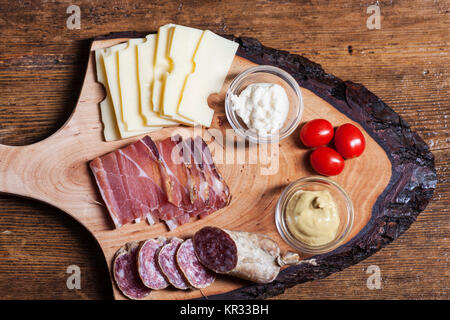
x: 161, y: 80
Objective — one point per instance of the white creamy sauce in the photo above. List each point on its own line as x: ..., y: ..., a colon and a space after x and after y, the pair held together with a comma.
x: 262, y: 106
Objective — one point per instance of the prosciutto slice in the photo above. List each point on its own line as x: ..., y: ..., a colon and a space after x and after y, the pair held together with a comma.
x: 219, y: 193
x: 174, y: 172
x: 171, y: 180
x: 108, y: 178
x: 196, y: 182
x: 198, y: 185
x: 151, y: 163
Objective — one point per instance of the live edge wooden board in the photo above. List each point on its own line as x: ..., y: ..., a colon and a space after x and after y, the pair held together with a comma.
x: 390, y: 184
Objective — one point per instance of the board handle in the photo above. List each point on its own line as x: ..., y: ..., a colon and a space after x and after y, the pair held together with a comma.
x: 14, y: 162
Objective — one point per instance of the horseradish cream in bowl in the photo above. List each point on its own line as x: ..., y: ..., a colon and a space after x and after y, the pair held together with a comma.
x: 264, y: 104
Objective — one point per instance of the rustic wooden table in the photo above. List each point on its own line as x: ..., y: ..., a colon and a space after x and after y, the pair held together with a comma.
x: 406, y: 62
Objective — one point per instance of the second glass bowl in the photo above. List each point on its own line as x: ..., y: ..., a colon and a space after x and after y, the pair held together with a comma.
x: 315, y: 183
x: 265, y: 74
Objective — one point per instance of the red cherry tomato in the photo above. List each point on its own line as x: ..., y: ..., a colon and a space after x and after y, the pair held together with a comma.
x: 316, y: 133
x: 327, y: 161
x: 349, y: 141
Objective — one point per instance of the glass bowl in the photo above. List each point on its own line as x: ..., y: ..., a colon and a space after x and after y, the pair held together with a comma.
x: 345, y: 210
x: 265, y: 74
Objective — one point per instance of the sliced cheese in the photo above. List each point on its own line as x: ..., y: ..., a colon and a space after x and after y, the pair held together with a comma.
x: 162, y: 67
x: 212, y: 60
x: 129, y: 86
x: 184, y: 42
x: 146, y: 56
x: 161, y: 64
x: 110, y: 129
x: 110, y: 62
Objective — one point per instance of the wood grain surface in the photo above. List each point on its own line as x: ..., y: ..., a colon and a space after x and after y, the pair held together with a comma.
x: 406, y: 63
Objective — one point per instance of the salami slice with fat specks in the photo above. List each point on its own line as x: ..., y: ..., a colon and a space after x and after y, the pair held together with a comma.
x: 194, y: 272
x: 126, y: 274
x: 148, y: 268
x: 168, y: 264
x: 251, y: 256
x: 215, y: 249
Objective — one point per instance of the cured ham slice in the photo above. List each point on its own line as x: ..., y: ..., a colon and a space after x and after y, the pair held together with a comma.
x: 219, y: 193
x: 171, y: 180
x: 174, y: 172
x: 178, y: 221
x: 198, y: 185
x: 108, y: 178
x: 146, y: 170
x: 177, y: 179
x: 139, y: 186
x: 152, y: 166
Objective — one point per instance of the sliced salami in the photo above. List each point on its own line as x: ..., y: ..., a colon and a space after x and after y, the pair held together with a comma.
x: 148, y: 268
x: 194, y: 272
x: 251, y: 256
x: 126, y: 274
x: 168, y: 264
x: 215, y: 249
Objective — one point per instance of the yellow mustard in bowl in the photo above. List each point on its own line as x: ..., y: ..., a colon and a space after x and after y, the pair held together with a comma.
x: 312, y: 217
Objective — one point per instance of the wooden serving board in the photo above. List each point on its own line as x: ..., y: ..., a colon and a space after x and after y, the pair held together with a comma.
x: 389, y: 184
